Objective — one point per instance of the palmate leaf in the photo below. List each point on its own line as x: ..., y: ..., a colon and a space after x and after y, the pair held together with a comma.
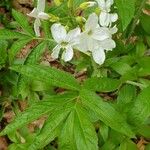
x: 48, y: 75
x: 106, y: 112
x: 37, y: 110
x: 78, y: 132
x: 23, y: 22
x: 126, y: 10
x: 102, y: 84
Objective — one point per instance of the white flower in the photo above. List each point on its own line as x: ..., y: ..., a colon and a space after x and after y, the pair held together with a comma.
x: 38, y: 14
x: 86, y: 5
x: 65, y: 41
x: 96, y: 39
x: 106, y: 18
x: 92, y: 34
x: 105, y: 5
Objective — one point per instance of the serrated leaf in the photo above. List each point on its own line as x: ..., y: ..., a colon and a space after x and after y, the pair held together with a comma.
x: 22, y: 21
x: 3, y: 51
x: 78, y: 132
x: 50, y: 130
x: 37, y: 110
x: 106, y: 112
x: 36, y: 53
x: 48, y: 75
x: 126, y: 95
x: 141, y: 110
x: 17, y: 45
x: 102, y: 84
x: 126, y: 10
x: 8, y: 34
x: 121, y: 67
x: 85, y: 135
x: 32, y: 58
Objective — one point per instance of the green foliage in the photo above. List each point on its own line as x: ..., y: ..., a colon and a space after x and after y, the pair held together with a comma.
x: 126, y: 10
x: 48, y: 75
x: 85, y: 106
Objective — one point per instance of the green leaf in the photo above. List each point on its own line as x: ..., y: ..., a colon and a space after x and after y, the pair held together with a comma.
x: 8, y: 34
x: 32, y: 58
x: 49, y: 75
x: 37, y: 110
x: 78, y: 132
x: 126, y: 95
x: 114, y: 139
x: 3, y: 51
x: 106, y: 112
x: 31, y: 114
x: 128, y: 145
x: 18, y: 146
x: 50, y: 130
x: 145, y: 21
x: 121, y: 67
x: 126, y: 10
x: 17, y: 45
x: 23, y: 22
x: 144, y: 131
x: 102, y: 84
x: 141, y: 109
x: 36, y: 53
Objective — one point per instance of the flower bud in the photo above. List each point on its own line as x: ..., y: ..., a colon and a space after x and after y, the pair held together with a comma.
x: 80, y: 19
x: 86, y: 5
x: 53, y: 18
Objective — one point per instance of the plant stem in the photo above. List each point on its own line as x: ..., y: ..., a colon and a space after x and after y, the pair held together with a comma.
x: 136, y: 84
x: 138, y: 14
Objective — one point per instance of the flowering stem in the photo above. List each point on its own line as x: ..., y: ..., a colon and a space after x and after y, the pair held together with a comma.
x: 44, y: 39
x: 96, y: 69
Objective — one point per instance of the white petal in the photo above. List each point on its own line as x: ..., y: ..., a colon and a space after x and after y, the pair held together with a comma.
x: 56, y: 50
x: 101, y: 33
x: 99, y: 56
x: 41, y: 5
x: 58, y: 32
x: 67, y: 54
x: 33, y: 13
x: 37, y: 25
x: 73, y: 34
x: 92, y: 22
x: 101, y: 3
x: 109, y: 4
x: 43, y: 15
x: 92, y: 44
x: 108, y: 44
x: 114, y: 17
x: 113, y: 30
x: 83, y: 45
x: 104, y: 19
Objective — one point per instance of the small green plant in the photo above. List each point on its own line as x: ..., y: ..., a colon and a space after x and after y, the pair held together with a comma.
x: 108, y: 40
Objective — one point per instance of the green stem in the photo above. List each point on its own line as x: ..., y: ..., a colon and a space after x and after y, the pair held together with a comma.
x: 138, y: 14
x: 136, y: 84
x: 44, y: 39
x: 96, y: 69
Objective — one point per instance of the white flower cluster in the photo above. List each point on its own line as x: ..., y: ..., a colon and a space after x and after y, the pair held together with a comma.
x: 96, y: 37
